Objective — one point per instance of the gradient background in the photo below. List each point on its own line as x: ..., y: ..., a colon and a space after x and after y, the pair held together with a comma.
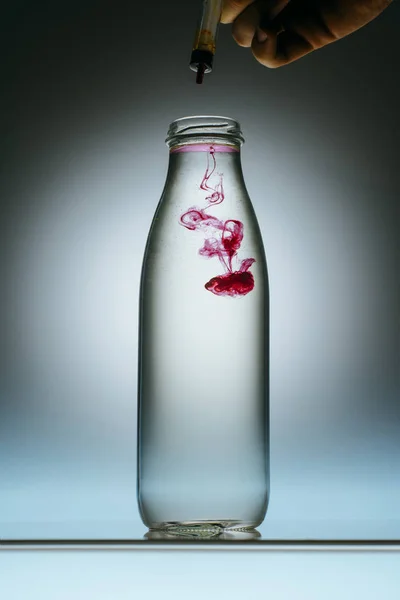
x: 88, y: 91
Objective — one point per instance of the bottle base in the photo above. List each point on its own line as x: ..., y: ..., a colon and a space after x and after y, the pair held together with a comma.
x: 202, y: 529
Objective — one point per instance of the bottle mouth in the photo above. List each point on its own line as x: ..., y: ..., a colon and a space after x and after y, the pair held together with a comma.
x: 199, y: 129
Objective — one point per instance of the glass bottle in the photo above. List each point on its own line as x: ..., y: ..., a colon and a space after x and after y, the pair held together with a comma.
x: 203, y: 408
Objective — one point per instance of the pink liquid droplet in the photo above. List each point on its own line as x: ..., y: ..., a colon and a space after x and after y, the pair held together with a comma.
x: 231, y: 284
x: 225, y: 240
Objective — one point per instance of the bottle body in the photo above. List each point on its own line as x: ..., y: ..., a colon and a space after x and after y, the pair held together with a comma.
x: 203, y: 452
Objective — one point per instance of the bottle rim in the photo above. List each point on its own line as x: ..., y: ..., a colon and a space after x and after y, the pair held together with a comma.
x: 204, y: 128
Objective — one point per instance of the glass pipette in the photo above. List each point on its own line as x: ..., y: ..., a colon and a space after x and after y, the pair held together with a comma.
x: 203, y: 51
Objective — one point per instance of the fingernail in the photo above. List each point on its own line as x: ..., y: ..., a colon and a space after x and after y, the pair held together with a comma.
x: 261, y: 35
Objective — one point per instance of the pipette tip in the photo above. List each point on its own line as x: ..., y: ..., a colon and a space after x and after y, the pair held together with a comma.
x: 200, y: 73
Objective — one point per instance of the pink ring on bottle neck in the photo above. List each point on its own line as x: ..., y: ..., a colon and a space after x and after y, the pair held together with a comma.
x: 204, y: 148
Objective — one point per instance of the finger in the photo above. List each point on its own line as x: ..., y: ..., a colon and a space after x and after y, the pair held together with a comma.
x: 245, y: 25
x: 232, y: 8
x: 307, y: 25
x: 280, y: 49
x: 299, y: 29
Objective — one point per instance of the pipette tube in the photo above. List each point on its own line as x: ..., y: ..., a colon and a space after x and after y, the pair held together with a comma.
x: 203, y: 52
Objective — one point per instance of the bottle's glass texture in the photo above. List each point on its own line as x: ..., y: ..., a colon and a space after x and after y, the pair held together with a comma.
x: 203, y: 419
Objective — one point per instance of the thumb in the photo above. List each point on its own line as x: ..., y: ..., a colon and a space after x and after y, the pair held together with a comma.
x: 232, y: 9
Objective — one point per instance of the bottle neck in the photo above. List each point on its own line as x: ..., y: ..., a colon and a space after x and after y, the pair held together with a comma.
x: 207, y: 160
x: 204, y: 146
x: 205, y: 174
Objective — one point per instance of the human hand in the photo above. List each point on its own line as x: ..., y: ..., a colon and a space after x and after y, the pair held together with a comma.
x: 281, y: 31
